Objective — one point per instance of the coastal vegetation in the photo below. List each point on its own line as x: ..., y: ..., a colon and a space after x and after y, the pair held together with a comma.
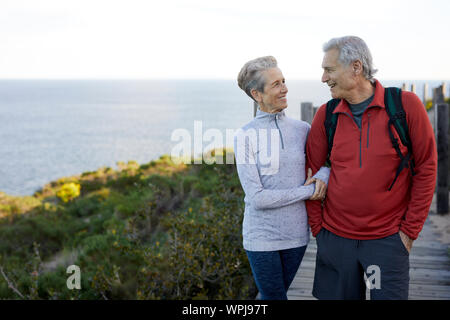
x: 161, y: 230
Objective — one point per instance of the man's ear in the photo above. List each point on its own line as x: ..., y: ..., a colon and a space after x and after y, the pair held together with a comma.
x: 256, y: 95
x: 357, y: 67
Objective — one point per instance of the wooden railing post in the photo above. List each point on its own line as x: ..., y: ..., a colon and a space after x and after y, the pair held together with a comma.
x: 425, y: 94
x: 442, y: 196
x: 438, y: 97
x: 441, y: 122
x: 307, y: 112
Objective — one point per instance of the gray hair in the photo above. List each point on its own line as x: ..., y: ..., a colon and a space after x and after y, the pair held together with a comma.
x: 251, y: 75
x: 352, y: 48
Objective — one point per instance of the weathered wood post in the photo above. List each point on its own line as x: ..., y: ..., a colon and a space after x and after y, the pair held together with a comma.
x: 439, y: 94
x: 438, y: 97
x: 441, y: 110
x: 425, y: 94
x: 443, y: 157
x: 413, y: 87
x: 404, y: 87
x: 307, y: 112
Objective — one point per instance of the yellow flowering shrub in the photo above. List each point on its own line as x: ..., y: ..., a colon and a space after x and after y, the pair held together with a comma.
x: 68, y: 191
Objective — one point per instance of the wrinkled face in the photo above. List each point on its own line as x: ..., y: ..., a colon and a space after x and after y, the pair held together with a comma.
x: 338, y: 77
x: 273, y: 99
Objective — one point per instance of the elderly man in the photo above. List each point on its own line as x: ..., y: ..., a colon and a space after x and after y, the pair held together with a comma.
x: 382, y: 152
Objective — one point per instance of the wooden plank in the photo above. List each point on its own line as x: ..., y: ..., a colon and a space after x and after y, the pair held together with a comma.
x: 429, y: 288
x: 416, y: 275
x: 304, y: 288
x: 416, y: 297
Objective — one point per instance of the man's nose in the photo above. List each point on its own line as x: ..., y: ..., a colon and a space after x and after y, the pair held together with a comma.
x: 324, y: 77
x: 284, y: 88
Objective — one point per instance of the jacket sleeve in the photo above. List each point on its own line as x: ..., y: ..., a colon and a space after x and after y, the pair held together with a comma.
x: 255, y: 193
x: 425, y: 158
x: 323, y: 174
x: 316, y: 155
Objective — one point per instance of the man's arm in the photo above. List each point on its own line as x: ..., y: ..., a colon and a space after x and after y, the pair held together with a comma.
x: 425, y: 158
x: 316, y: 154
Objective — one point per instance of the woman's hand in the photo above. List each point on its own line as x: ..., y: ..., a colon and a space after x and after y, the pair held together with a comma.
x: 321, y: 187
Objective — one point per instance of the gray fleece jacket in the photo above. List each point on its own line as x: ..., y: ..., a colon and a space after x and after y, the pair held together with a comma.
x: 270, y: 160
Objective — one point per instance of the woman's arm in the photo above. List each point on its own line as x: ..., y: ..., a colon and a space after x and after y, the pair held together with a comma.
x: 323, y: 174
x: 257, y: 195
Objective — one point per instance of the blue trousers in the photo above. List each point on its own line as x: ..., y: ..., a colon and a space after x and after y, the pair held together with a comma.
x: 274, y: 271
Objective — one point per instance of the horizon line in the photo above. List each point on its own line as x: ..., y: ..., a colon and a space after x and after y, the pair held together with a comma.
x: 190, y: 79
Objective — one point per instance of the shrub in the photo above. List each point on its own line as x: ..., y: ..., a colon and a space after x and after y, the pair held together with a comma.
x: 68, y: 191
x: 168, y: 233
x: 203, y: 258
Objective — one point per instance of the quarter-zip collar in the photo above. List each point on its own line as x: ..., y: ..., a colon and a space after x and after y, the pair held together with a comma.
x: 378, y: 100
x: 270, y: 116
x: 261, y: 115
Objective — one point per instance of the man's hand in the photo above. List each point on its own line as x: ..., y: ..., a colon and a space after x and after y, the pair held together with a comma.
x: 321, y: 187
x: 407, y: 241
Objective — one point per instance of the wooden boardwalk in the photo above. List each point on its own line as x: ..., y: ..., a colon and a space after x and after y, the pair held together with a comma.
x: 429, y: 269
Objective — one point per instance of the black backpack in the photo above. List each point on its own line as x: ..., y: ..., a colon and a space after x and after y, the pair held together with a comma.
x: 397, y: 118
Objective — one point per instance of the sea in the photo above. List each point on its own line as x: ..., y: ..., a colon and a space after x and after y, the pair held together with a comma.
x: 56, y: 128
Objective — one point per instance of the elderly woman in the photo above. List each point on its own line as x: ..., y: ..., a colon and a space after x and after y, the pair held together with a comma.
x: 270, y: 159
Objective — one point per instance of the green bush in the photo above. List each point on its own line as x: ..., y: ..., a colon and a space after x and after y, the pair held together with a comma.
x: 173, y: 232
x: 205, y: 257
x: 85, y: 206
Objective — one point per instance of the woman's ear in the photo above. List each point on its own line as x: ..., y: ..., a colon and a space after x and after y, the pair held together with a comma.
x: 256, y: 95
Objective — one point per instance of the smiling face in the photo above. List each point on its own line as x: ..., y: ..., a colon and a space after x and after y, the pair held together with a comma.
x: 341, y: 79
x: 273, y: 99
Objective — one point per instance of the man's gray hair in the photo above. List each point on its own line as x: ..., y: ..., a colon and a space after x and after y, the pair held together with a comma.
x: 352, y: 48
x: 251, y: 75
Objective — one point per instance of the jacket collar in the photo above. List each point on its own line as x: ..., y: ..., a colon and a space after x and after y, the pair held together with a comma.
x: 378, y: 100
x: 265, y: 115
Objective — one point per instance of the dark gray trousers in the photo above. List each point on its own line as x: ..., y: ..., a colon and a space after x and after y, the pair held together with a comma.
x: 341, y: 264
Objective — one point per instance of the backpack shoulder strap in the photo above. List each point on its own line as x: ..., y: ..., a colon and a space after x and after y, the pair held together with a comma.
x: 397, y: 119
x: 396, y: 113
x: 330, y: 125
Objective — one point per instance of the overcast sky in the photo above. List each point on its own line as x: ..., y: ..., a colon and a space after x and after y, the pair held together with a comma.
x: 213, y: 39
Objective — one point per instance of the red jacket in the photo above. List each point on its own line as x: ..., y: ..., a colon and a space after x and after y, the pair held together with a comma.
x: 358, y: 204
